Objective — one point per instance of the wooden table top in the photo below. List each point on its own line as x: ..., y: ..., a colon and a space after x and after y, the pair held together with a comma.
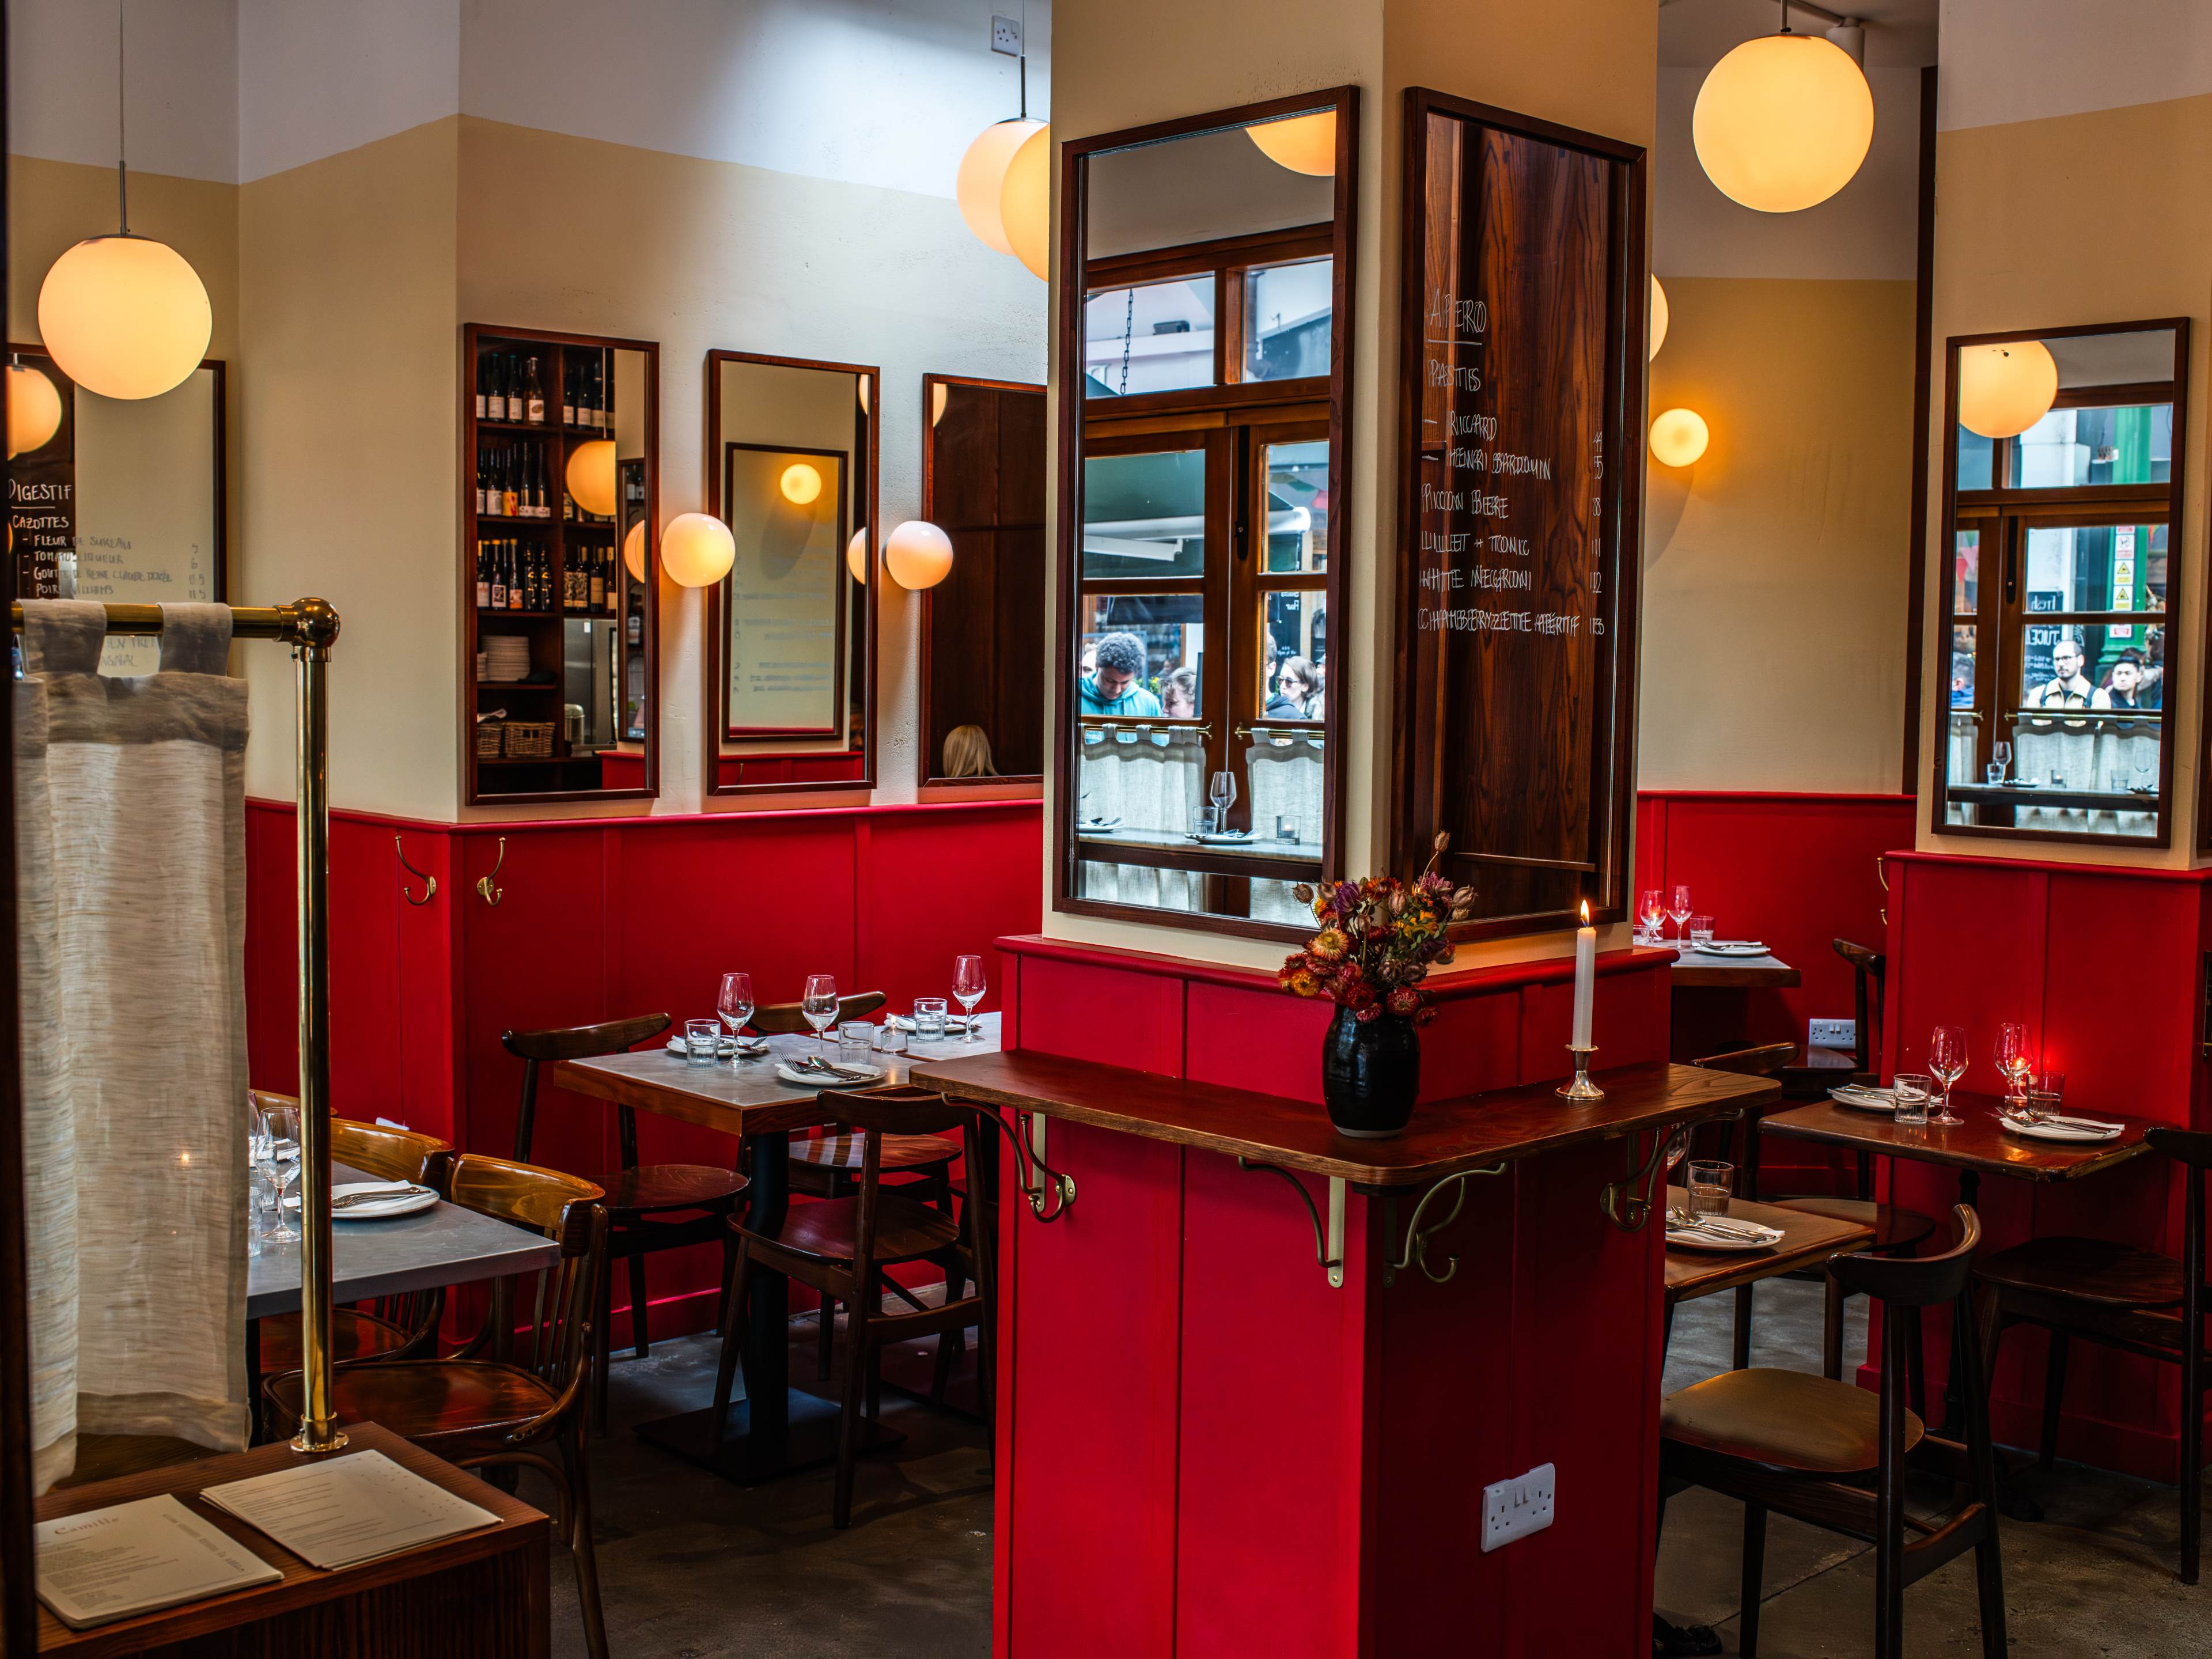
x: 744, y: 1099
x: 1806, y: 1240
x: 1695, y: 970
x: 1445, y: 1137
x: 303, y: 1585
x: 1979, y: 1144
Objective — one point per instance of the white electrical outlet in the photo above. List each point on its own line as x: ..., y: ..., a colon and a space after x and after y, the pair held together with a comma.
x: 1007, y: 36
x: 1513, y: 1508
x: 1832, y: 1033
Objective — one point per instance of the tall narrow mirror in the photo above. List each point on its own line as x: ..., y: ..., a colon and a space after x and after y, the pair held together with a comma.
x: 791, y: 630
x: 983, y: 627
x: 1202, y: 501
x: 2062, y: 507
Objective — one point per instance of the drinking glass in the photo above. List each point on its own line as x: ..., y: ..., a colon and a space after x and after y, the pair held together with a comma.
x: 1678, y: 1145
x: 1993, y: 774
x: 1680, y: 909
x: 1653, y: 910
x: 1912, y: 1089
x: 281, y: 1162
x: 1946, y: 1059
x: 1709, y: 1186
x: 2046, y: 1093
x: 819, y: 1004
x: 856, y: 1041
x: 891, y: 1039
x: 2014, y: 1060
x: 929, y: 1019
x: 1701, y: 932
x: 1221, y: 791
x: 2000, y: 752
x: 968, y: 981
x: 699, y: 1040
x: 735, y: 1004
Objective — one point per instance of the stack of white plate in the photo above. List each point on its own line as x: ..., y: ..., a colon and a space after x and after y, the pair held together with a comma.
x: 507, y: 656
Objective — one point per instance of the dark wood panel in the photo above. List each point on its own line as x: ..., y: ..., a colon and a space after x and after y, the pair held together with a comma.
x: 1444, y: 1138
x: 1520, y: 345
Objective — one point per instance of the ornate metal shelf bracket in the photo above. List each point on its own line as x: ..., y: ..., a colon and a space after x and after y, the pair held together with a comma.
x: 1416, y: 1253
x: 1627, y: 1204
x: 1328, y: 1243
x: 1040, y: 1180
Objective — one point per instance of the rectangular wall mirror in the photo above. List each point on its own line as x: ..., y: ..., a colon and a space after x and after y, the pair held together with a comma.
x: 791, y: 631
x: 119, y: 500
x: 1201, y: 514
x: 983, y: 627
x: 2062, y: 501
x: 562, y: 441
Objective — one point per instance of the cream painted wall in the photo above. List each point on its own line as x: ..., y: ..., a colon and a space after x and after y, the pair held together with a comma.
x: 1585, y: 63
x: 1774, y: 574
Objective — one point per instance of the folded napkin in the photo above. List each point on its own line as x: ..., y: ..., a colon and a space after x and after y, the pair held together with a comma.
x: 952, y: 1023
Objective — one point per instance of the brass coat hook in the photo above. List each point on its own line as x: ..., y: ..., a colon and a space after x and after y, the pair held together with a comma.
x: 493, y: 895
x: 429, y: 882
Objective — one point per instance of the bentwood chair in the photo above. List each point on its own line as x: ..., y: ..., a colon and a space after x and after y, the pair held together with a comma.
x: 525, y: 1402
x: 1833, y: 1456
x: 841, y: 1248
x: 659, y: 1206
x: 2119, y: 1296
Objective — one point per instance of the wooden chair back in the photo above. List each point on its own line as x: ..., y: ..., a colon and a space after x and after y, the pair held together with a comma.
x: 389, y: 1154
x: 1766, y: 1060
x: 787, y: 1019
x: 1923, y: 1281
x: 566, y: 1209
x: 903, y: 1110
x: 537, y: 1048
x: 1868, y: 980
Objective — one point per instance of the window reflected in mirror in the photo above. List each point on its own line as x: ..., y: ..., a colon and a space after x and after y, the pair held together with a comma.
x: 791, y: 629
x: 2064, y: 505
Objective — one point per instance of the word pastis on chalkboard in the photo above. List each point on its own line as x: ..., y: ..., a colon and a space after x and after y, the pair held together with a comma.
x: 1521, y: 356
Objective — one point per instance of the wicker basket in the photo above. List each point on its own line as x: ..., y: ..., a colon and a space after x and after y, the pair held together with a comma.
x: 488, y: 739
x: 530, y: 739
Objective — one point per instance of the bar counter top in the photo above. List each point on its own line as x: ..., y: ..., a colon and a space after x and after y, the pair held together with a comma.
x: 1445, y: 1137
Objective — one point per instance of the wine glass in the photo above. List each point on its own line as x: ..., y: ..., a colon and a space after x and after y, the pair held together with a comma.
x: 1221, y: 791
x: 280, y: 1160
x: 2014, y: 1058
x: 1946, y: 1059
x: 820, y: 1003
x: 1653, y: 911
x: 1679, y: 909
x: 1678, y: 1145
x: 735, y: 1004
x: 968, y: 984
x: 2000, y: 752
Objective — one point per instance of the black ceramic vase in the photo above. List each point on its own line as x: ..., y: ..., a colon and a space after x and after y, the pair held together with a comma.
x: 1369, y: 1074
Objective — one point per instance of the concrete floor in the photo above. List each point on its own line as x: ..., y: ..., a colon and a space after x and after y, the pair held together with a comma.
x: 692, y: 1568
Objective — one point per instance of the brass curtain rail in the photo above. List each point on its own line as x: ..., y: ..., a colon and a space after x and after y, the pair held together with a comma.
x: 310, y: 627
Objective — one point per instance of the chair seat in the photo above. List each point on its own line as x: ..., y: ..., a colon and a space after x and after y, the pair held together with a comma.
x: 355, y: 1335
x: 826, y: 1232
x: 656, y: 1187
x: 1782, y: 1419
x: 843, y: 1153
x: 431, y: 1401
x: 1895, y: 1229
x: 2090, y: 1269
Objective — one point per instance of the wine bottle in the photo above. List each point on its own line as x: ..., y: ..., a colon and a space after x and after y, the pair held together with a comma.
x: 496, y: 584
x: 538, y: 509
x: 507, y: 500
x: 496, y: 398
x: 483, y: 384
x: 567, y: 394
x: 533, y: 395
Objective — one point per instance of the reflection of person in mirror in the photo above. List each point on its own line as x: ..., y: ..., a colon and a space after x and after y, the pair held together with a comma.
x: 967, y: 753
x: 1298, y: 691
x: 1179, y: 694
x: 2067, y: 687
x: 2125, y: 686
x: 1115, y: 686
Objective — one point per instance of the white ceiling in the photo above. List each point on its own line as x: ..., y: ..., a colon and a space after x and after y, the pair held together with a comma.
x: 1698, y: 33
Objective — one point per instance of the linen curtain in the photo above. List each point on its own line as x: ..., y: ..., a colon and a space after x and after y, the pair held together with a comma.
x: 131, y: 876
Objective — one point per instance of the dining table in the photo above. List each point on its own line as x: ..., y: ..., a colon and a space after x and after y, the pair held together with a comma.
x: 775, y: 1429
x: 1702, y: 970
x: 1807, y: 1241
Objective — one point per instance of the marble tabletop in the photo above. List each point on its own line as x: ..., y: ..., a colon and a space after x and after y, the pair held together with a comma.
x: 444, y: 1244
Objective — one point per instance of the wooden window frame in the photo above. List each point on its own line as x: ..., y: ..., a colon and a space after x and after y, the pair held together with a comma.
x: 2004, y: 511
x: 1225, y: 412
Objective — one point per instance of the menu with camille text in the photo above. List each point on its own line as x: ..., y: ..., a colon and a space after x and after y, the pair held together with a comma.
x: 1523, y: 334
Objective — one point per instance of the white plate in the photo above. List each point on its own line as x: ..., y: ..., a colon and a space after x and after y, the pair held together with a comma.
x: 1714, y: 1241
x: 1866, y: 1100
x: 723, y: 1046
x: 875, y: 1074
x: 1733, y: 947
x: 1232, y: 838
x: 373, y: 1209
x: 954, y: 1025
x: 2059, y: 1132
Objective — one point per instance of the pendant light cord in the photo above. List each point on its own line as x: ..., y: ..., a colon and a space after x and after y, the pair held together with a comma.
x: 122, y: 130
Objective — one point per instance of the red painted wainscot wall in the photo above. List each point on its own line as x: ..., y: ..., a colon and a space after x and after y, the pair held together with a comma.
x: 600, y: 919
x: 2105, y: 965
x: 1206, y: 1450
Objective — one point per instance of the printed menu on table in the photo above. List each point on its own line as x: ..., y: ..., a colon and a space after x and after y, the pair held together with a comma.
x: 341, y: 1511
x: 132, y: 1558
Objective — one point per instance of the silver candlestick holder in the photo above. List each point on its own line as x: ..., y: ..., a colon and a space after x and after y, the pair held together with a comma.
x: 1581, y: 1088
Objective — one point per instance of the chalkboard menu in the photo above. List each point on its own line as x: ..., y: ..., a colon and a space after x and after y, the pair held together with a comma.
x: 1522, y: 348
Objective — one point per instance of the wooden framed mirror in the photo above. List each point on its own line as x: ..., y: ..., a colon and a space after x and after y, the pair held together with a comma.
x: 1207, y: 262
x: 983, y: 627
x: 792, y: 448
x: 2062, y: 503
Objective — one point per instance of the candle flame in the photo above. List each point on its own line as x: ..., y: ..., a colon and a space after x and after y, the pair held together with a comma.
x: 1585, y: 913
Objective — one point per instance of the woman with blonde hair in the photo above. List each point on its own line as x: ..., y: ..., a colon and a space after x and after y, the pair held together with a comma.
x: 967, y: 753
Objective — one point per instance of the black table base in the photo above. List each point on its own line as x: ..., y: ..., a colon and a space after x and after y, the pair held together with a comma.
x: 807, y: 1439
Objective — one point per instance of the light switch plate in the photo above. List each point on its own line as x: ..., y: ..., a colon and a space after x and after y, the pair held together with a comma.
x: 1832, y: 1033
x: 1513, y: 1508
x: 1007, y: 36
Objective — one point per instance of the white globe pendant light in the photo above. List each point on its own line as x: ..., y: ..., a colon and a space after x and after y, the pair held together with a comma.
x: 34, y: 410
x: 1679, y: 437
x: 917, y: 555
x: 983, y: 177
x: 1025, y: 203
x: 1658, y: 319
x: 124, y: 316
x: 1783, y: 122
x: 1303, y: 143
x: 634, y: 551
x: 696, y: 550
x: 2006, y: 388
x: 856, y: 555
x: 591, y: 476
